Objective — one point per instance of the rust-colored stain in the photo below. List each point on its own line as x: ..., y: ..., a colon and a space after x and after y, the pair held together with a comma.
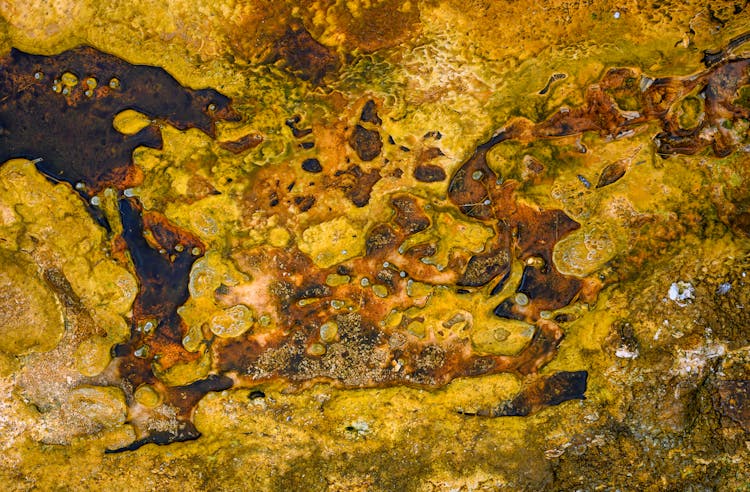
x: 50, y: 103
x: 80, y: 91
x: 305, y: 56
x: 734, y: 401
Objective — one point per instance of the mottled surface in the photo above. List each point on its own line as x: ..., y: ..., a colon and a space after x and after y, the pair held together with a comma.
x: 50, y: 104
x: 550, y: 199
x: 163, y: 257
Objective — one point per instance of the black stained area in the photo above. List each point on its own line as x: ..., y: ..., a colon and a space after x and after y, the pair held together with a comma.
x: 163, y: 276
x: 553, y: 390
x: 297, y: 132
x: 548, y: 285
x: 67, y: 128
x: 409, y: 214
x: 304, y: 203
x: 312, y: 165
x: 370, y: 113
x: 187, y: 433
x: 429, y: 173
x: 380, y: 238
x: 366, y: 143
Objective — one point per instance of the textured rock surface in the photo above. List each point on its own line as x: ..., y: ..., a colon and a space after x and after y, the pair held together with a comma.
x: 417, y: 175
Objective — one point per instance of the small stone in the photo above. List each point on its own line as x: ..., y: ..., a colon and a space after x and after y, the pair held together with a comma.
x: 416, y: 328
x: 103, y: 406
